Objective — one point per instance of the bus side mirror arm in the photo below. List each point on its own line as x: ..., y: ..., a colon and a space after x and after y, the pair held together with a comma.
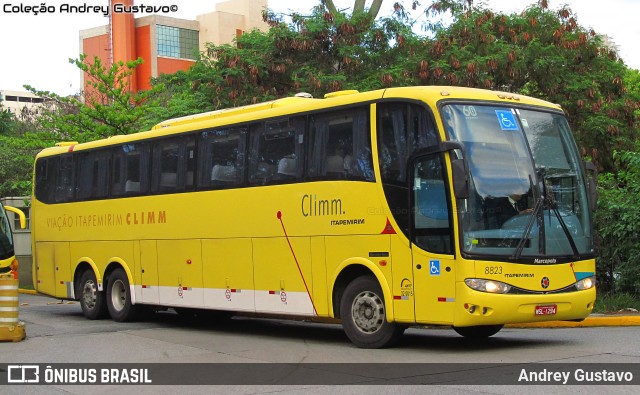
x: 592, y: 184
x: 23, y: 219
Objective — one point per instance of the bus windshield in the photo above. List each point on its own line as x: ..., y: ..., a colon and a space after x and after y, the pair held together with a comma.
x: 528, y: 194
x: 6, y: 240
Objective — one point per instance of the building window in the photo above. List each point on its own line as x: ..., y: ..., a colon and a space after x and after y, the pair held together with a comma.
x: 175, y: 42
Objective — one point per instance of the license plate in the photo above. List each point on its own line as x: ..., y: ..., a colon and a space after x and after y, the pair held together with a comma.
x: 546, y: 310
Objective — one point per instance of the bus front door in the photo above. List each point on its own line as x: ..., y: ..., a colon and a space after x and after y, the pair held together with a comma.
x: 432, y: 241
x: 434, y: 287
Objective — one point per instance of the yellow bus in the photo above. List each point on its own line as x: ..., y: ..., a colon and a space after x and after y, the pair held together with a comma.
x: 384, y: 209
x: 8, y: 261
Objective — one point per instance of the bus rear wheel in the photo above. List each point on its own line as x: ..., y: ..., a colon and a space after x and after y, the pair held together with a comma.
x: 92, y: 301
x: 119, y: 297
x: 364, y: 317
x: 477, y: 332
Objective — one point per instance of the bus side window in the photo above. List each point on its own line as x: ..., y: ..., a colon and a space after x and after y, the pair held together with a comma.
x: 129, y: 169
x: 65, y: 180
x: 173, y: 164
x: 431, y: 211
x: 221, y: 158
x: 92, y: 174
x: 277, y: 152
x: 402, y: 129
x: 46, y: 169
x: 341, y: 147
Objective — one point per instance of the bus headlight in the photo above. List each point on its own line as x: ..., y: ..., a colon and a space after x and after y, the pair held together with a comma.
x: 586, y: 283
x: 491, y: 286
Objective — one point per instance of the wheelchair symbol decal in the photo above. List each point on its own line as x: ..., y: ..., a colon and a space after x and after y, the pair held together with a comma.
x: 507, y: 120
x: 434, y: 267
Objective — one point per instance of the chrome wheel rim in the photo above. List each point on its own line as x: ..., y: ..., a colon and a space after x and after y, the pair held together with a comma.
x: 118, y: 295
x: 367, y: 311
x: 90, y: 294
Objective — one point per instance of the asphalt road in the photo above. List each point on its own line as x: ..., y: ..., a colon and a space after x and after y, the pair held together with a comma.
x: 57, y: 332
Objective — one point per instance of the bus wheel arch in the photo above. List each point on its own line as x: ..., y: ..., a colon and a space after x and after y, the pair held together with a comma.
x: 87, y: 291
x: 346, y: 276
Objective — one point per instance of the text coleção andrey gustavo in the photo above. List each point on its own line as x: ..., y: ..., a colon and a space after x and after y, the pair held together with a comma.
x: 43, y: 8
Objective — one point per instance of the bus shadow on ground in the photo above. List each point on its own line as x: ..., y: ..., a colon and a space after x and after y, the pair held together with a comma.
x: 418, y: 338
x: 275, y: 327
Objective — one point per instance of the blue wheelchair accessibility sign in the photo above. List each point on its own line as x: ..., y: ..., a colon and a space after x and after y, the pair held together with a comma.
x: 507, y: 120
x: 434, y: 267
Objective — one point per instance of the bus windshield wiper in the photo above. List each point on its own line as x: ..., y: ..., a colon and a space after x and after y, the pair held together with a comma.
x: 527, y: 230
x: 548, y: 200
x: 553, y: 206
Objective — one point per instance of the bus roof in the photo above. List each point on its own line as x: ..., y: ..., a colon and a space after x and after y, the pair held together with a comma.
x: 227, y: 112
x: 303, y: 103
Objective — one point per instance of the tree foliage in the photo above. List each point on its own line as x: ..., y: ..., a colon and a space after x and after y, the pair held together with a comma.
x: 16, y: 158
x: 618, y: 224
x: 539, y: 52
x: 7, y: 119
x: 107, y: 108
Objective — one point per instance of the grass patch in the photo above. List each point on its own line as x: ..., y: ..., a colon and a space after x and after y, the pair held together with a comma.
x: 613, y: 303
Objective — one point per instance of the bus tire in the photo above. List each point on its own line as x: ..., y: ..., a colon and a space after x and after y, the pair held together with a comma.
x: 119, y: 297
x: 477, y: 332
x: 363, y: 315
x: 92, y: 301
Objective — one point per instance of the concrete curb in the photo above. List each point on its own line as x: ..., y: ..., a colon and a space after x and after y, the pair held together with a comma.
x: 592, y: 321
x: 27, y: 291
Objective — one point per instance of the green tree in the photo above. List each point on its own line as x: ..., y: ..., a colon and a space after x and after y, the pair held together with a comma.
x: 319, y: 53
x: 7, y: 120
x: 618, y: 224
x: 107, y: 108
x: 16, y: 164
x: 632, y: 83
x: 539, y: 51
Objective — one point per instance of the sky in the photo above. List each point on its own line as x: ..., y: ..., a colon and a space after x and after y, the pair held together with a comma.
x: 34, y: 49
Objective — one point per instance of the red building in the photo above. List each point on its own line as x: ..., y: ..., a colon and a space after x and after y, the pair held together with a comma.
x: 167, y: 44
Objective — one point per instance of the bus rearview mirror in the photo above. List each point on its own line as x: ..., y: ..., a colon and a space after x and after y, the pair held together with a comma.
x: 460, y: 176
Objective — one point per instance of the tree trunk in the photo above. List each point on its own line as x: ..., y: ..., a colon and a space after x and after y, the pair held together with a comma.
x: 375, y: 9
x: 331, y: 7
x: 358, y: 7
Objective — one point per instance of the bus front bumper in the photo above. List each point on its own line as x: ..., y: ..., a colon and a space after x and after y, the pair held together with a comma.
x: 482, y: 308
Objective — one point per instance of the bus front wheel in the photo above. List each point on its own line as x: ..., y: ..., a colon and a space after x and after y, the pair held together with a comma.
x: 119, y: 297
x: 92, y: 301
x: 477, y: 332
x: 363, y: 315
